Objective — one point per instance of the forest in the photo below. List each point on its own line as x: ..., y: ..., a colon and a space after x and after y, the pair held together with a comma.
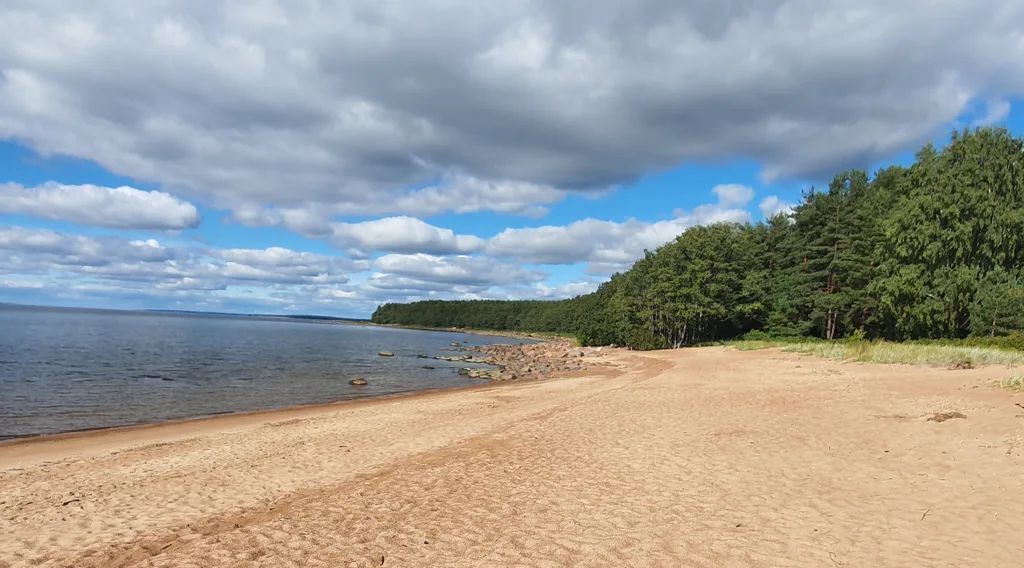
x: 930, y: 251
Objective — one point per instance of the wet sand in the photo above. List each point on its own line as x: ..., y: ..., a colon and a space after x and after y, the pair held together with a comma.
x: 696, y: 457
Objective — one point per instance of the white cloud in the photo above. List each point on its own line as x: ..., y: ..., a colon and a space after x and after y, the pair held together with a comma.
x: 149, y: 263
x: 465, y: 194
x: 22, y: 284
x: 115, y: 207
x: 455, y: 193
x: 31, y: 246
x: 996, y: 111
x: 733, y: 194
x: 458, y: 270
x: 403, y: 235
x: 358, y: 107
x: 773, y: 205
x: 609, y: 246
x: 567, y: 290
x: 276, y: 264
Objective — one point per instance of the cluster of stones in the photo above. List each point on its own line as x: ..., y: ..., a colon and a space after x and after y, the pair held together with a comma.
x: 513, y: 362
x: 464, y: 359
x: 523, y: 362
x: 490, y: 374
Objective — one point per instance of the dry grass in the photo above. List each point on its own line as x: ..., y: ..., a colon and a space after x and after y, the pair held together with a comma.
x: 754, y: 344
x: 1015, y: 382
x: 952, y: 356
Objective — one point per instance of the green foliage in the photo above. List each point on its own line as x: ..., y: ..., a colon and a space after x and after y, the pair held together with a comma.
x: 756, y: 335
x: 933, y: 251
x: 858, y: 335
x: 958, y: 217
x: 1011, y: 342
x: 527, y: 316
x: 998, y: 307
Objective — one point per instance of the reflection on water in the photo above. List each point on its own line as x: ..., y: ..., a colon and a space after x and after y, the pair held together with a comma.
x: 64, y: 370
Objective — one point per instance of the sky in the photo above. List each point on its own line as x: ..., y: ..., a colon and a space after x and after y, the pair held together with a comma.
x: 311, y: 156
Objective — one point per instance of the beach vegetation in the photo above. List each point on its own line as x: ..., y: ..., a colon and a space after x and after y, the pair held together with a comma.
x: 1015, y: 382
x: 949, y: 355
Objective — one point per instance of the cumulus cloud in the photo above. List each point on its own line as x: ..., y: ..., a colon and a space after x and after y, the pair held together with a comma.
x: 454, y: 193
x: 458, y: 270
x: 116, y: 207
x: 464, y: 194
x: 402, y: 234
x: 359, y: 106
x: 608, y: 246
x: 150, y: 263
x: 277, y: 264
x: 773, y: 205
x: 406, y: 278
x: 561, y: 291
x: 40, y: 246
x: 733, y: 194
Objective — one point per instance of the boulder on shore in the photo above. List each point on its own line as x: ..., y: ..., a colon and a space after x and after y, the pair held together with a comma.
x: 532, y: 361
x: 491, y: 374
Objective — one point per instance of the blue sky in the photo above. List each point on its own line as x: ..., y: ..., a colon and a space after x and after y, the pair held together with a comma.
x: 288, y: 159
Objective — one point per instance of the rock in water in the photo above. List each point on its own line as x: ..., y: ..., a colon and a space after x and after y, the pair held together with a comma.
x: 357, y: 382
x: 386, y: 354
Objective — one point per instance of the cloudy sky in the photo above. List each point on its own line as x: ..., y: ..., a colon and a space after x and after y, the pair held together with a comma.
x: 323, y: 157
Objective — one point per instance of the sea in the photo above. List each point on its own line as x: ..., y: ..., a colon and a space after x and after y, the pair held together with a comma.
x: 65, y: 369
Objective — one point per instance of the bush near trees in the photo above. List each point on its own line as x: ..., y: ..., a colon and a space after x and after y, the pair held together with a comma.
x: 930, y: 251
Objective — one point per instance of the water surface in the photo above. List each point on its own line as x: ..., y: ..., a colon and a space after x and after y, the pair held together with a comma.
x: 63, y: 370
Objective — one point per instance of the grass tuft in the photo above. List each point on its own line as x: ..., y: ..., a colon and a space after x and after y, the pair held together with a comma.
x: 753, y: 344
x: 1015, y: 382
x: 936, y: 355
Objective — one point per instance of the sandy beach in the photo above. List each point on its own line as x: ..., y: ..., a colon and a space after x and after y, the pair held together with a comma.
x: 695, y: 457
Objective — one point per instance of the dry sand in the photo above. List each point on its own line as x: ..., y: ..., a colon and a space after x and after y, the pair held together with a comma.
x: 697, y: 457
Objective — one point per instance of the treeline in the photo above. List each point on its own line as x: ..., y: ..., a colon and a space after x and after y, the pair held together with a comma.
x: 505, y: 315
x: 930, y: 251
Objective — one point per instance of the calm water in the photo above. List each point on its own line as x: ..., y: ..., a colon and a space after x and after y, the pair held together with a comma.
x: 64, y: 370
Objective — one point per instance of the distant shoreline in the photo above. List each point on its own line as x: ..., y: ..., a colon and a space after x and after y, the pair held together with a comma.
x: 472, y: 331
x: 302, y: 318
x: 158, y: 311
